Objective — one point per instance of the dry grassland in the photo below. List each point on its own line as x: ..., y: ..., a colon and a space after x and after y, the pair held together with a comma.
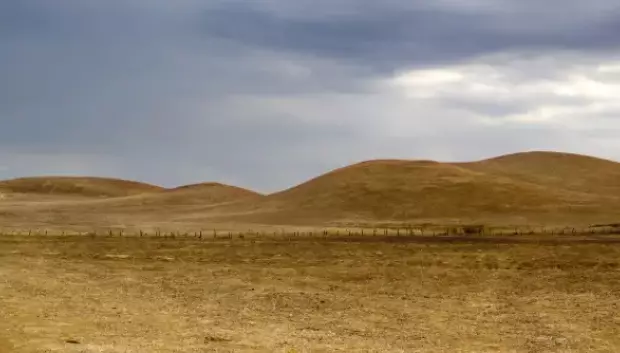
x: 82, y: 294
x: 525, y: 189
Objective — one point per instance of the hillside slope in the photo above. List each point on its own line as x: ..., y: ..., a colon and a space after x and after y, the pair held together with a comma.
x: 526, y: 186
x: 162, y: 209
x: 522, y: 188
x: 204, y: 194
x: 215, y: 192
x: 559, y: 171
x: 76, y: 186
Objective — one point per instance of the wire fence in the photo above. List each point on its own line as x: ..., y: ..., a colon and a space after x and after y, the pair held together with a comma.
x: 205, y: 234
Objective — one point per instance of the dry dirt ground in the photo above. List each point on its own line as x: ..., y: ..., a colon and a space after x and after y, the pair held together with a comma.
x: 83, y: 294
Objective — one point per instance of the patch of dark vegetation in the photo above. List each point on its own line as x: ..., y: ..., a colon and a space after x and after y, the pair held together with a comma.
x: 216, y: 339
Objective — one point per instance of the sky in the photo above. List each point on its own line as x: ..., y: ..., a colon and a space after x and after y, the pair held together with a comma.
x: 266, y: 94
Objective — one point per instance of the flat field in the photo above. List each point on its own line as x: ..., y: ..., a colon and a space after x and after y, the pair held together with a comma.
x: 412, y: 294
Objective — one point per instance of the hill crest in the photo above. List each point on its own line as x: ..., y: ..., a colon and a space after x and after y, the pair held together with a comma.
x: 76, y: 186
x: 529, y: 184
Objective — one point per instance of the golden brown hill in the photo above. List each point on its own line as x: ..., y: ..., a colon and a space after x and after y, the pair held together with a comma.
x: 519, y: 187
x: 164, y: 208
x: 559, y: 171
x: 76, y: 186
x: 523, y: 188
x: 161, y: 204
x: 195, y: 194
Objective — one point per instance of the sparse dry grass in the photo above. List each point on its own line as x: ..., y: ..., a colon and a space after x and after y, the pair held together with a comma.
x: 524, y: 189
x: 184, y: 295
x: 5, y: 346
x: 77, y: 186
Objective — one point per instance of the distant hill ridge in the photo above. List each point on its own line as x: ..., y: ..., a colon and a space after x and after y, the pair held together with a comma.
x: 524, y: 186
x: 529, y: 184
x: 123, y: 192
x: 82, y: 186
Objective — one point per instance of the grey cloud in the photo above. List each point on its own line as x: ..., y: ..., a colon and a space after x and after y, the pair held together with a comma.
x: 399, y: 35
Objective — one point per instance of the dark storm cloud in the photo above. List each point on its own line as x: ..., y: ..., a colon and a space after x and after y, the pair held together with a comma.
x: 167, y: 91
x: 400, y: 35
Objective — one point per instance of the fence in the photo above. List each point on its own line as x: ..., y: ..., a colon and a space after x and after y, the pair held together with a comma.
x: 326, y: 232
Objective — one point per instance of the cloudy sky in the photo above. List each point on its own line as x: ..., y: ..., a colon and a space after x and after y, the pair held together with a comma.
x: 268, y: 93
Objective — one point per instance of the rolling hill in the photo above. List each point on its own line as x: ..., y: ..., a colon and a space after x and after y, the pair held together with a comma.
x: 203, y: 194
x: 558, y: 171
x: 208, y: 192
x: 91, y: 203
x: 76, y: 186
x: 522, y: 186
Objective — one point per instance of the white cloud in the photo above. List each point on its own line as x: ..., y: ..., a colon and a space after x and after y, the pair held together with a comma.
x: 609, y: 68
x: 468, y: 111
x: 571, y: 94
